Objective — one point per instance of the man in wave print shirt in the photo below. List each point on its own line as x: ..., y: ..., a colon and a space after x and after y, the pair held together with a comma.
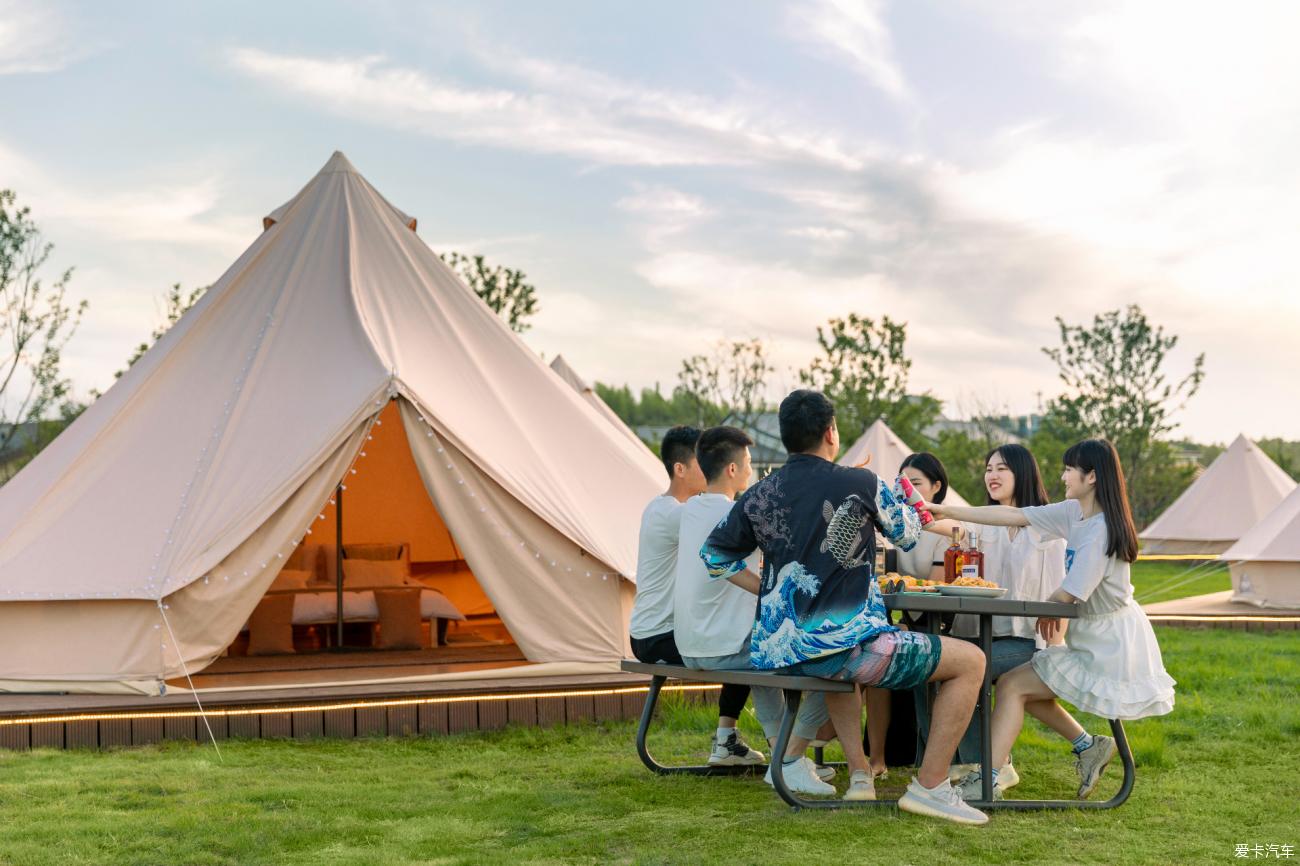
x: 820, y: 612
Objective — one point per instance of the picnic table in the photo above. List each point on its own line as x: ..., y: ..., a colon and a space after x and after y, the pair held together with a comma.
x: 931, y: 607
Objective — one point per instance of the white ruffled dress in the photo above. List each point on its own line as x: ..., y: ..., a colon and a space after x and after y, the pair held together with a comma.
x: 1110, y: 664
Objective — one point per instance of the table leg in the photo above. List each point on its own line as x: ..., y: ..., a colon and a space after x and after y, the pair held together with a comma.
x: 986, y: 727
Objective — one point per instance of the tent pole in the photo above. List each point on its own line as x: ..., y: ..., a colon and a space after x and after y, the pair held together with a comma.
x: 338, y: 566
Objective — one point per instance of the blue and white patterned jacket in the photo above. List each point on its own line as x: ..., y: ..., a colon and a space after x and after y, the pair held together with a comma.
x: 815, y: 522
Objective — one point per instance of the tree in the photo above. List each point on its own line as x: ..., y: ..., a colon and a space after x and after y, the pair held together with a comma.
x: 506, y: 291
x: 1285, y: 454
x: 177, y: 302
x: 729, y: 381
x: 1116, y: 387
x: 36, y: 323
x: 653, y: 408
x: 863, y: 370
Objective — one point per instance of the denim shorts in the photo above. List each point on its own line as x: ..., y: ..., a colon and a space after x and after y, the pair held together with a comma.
x: 889, y: 660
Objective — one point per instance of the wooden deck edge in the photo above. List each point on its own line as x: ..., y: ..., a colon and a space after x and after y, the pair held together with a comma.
x: 368, y: 716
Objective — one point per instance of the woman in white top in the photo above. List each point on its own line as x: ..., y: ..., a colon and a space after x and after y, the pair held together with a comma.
x: 1019, y: 558
x: 928, y: 475
x: 892, y: 717
x: 1110, y: 663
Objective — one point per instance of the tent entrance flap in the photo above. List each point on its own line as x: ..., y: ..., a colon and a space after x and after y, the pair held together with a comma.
x: 377, y: 532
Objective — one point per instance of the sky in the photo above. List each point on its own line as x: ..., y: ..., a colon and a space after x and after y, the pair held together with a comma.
x: 674, y: 174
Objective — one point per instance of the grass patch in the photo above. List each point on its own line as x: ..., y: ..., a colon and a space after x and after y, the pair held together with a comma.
x: 1219, y: 771
x: 1166, y: 581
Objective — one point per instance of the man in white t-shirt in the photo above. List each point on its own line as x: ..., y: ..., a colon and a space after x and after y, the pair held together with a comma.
x: 714, y: 618
x: 651, y: 627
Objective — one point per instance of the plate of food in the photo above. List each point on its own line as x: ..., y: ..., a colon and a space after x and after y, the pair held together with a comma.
x: 893, y: 582
x: 973, y: 587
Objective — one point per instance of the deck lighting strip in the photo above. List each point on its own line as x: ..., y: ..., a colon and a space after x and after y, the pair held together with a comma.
x: 1165, y: 617
x: 350, y: 705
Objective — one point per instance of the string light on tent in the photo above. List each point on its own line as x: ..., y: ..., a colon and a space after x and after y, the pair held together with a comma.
x: 499, y: 526
x: 351, y: 470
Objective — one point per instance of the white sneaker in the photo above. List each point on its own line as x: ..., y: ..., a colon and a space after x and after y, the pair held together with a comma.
x: 957, y: 772
x: 824, y: 772
x: 1008, y: 778
x: 943, y: 802
x: 732, y: 752
x: 861, y: 786
x: 801, y: 777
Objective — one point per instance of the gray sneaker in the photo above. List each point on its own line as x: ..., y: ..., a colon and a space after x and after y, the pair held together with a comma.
x: 1090, y: 763
x: 972, y: 786
x: 944, y: 802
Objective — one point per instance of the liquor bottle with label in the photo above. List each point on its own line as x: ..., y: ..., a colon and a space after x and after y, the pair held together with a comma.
x: 953, y: 558
x: 973, y: 558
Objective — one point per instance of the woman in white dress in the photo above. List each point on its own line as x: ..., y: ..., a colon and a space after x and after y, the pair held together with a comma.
x: 1028, y: 565
x: 1110, y: 663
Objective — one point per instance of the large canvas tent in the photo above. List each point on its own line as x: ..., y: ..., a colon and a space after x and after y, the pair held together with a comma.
x: 886, y: 452
x: 579, y: 384
x: 1234, y: 494
x: 135, y: 546
x: 1265, y: 562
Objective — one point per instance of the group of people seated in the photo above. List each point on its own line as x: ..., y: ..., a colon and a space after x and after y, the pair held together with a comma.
x: 803, y: 541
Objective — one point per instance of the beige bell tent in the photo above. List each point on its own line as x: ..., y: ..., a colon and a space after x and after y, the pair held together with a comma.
x: 886, y: 452
x: 577, y: 383
x: 1265, y: 562
x: 1233, y: 495
x: 137, y: 544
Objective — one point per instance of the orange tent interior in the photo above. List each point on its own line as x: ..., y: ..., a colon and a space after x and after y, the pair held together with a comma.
x: 385, y: 503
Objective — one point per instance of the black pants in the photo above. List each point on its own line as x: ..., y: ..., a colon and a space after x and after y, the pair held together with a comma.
x: 661, y: 649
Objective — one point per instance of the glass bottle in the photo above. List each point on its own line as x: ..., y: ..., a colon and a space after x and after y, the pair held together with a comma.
x: 953, y: 558
x: 973, y: 558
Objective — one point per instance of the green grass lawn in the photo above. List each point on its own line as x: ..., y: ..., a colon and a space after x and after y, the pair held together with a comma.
x: 1165, y: 581
x: 1221, y: 770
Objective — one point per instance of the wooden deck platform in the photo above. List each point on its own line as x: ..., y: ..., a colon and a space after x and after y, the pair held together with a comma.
x: 1217, y: 610
x: 306, y: 697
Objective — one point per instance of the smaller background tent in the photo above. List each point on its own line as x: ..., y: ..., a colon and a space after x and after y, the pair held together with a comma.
x: 1230, y: 498
x: 1265, y: 563
x: 577, y: 383
x: 887, y: 452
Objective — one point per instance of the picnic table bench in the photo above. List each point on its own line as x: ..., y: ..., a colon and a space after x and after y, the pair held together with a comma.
x: 931, y: 608
x: 792, y: 689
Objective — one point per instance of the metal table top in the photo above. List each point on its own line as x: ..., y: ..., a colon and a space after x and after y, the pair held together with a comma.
x: 933, y: 602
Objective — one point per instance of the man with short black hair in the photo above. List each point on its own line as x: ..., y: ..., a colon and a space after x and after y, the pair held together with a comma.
x: 820, y: 612
x: 651, y: 626
x: 713, y: 618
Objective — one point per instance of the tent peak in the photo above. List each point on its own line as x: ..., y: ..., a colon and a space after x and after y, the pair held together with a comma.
x: 338, y: 162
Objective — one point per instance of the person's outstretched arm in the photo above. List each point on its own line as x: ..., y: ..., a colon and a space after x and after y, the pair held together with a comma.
x: 985, y: 515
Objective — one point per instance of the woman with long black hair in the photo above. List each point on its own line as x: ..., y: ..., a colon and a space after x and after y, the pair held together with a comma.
x: 1110, y: 664
x: 1030, y: 567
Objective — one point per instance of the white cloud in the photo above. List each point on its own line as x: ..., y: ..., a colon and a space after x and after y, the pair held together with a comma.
x: 36, y: 37
x: 565, y: 110
x: 663, y: 201
x: 820, y: 233
x: 182, y: 213
x: 856, y: 33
